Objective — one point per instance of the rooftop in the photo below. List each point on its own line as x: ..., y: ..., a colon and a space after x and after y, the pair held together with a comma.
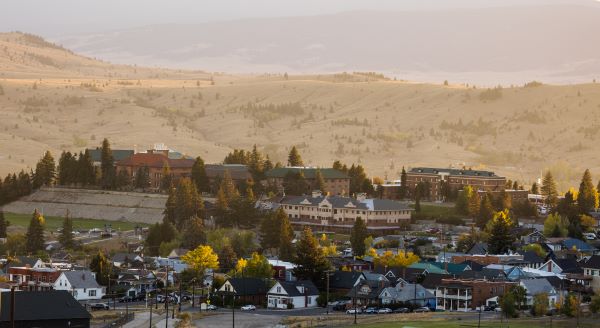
x: 309, y: 172
x: 455, y: 172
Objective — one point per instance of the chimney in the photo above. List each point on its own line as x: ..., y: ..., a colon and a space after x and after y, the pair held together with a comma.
x: 361, y: 197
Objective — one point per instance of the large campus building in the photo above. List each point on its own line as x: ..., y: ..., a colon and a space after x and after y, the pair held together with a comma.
x: 337, y: 213
x: 336, y: 182
x: 456, y: 179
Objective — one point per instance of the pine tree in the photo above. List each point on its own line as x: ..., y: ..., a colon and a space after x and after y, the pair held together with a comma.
x: 199, y: 176
x: 45, y: 171
x: 549, y: 190
x: 107, y: 166
x: 102, y: 267
x: 86, y: 170
x: 222, y: 209
x: 474, y: 202
x: 35, y: 233
x: 66, y: 235
x: 587, y: 199
x: 142, y: 178
x: 188, y: 203
x: 166, y: 181
x: 486, y: 211
x: 310, y: 260
x: 535, y: 189
x: 194, y: 234
x: 227, y: 257
x: 270, y: 230
x: 123, y: 180
x: 403, y: 184
x: 320, y: 182
x: 170, y: 208
x: 286, y: 235
x: 357, y: 237
x: 499, y: 229
x: 3, y: 225
x: 67, y: 169
x: 294, y: 158
x: 462, y: 201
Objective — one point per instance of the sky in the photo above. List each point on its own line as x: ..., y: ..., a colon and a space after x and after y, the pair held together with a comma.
x: 53, y: 18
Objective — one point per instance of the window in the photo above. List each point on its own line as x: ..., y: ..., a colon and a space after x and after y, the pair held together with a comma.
x: 278, y: 290
x: 92, y: 292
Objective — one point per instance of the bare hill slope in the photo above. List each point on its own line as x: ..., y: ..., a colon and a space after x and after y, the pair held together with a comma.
x: 359, y: 117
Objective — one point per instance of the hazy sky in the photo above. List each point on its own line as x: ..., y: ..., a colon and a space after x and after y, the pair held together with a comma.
x: 56, y: 17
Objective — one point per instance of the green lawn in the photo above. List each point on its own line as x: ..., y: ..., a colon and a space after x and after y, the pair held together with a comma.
x: 53, y: 222
x: 450, y: 323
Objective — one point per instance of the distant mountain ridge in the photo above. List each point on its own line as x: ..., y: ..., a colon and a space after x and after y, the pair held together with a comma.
x: 512, y: 44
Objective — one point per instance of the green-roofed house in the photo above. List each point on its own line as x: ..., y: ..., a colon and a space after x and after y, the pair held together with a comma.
x: 429, y: 267
x: 336, y: 182
x: 118, y: 155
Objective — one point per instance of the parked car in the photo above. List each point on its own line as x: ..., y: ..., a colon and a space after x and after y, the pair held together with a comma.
x: 211, y: 307
x: 498, y: 309
x: 353, y: 311
x: 126, y: 299
x: 99, y: 306
x: 371, y: 310
x: 401, y: 310
x: 248, y: 307
x: 339, y: 306
x: 422, y: 309
x: 384, y: 310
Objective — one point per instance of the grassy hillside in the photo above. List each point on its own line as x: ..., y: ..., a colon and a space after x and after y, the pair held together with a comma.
x: 72, y: 102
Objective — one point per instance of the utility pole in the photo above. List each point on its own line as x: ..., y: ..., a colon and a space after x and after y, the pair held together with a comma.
x: 355, y: 301
x: 150, y: 312
x: 167, y: 296
x: 193, y: 291
x: 479, y: 319
x: 327, y: 299
x: 233, y: 311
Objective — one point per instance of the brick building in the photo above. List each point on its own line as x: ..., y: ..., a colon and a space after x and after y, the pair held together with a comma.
x: 336, y: 182
x: 239, y: 174
x: 28, y: 278
x: 156, y: 160
x: 455, y: 178
x: 468, y: 294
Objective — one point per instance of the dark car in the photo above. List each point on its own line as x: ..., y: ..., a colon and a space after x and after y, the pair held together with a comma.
x: 401, y: 310
x: 371, y: 310
x: 126, y: 299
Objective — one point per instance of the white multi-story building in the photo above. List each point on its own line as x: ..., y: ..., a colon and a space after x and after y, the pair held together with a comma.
x: 81, y: 284
x: 342, y: 212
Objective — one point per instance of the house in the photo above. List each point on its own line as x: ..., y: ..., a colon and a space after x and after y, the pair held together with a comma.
x: 156, y: 160
x: 534, y: 237
x: 367, y: 293
x: 468, y: 294
x: 452, y: 268
x: 561, y: 266
x: 427, y: 267
x: 125, y: 259
x: 344, y: 281
x: 137, y: 281
x: 48, y: 309
x: 478, y: 249
x: 538, y: 286
x: 81, y: 284
x: 292, y: 294
x: 532, y: 260
x: 337, y: 213
x: 25, y: 262
x: 246, y: 290
x: 413, y: 294
x: 591, y: 267
x: 36, y: 278
x: 456, y: 179
x: 178, y: 253
x: 284, y: 271
x: 336, y: 182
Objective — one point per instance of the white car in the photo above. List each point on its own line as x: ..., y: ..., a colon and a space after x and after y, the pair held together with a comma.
x: 353, y: 311
x: 211, y: 307
x: 249, y: 307
x: 384, y: 310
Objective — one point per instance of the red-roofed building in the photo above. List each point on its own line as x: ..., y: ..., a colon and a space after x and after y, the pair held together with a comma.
x: 156, y: 160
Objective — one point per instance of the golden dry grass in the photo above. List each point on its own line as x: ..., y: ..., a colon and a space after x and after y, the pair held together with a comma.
x: 57, y: 100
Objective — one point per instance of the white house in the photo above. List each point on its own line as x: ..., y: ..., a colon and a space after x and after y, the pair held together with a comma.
x: 538, y: 286
x: 300, y: 294
x: 81, y: 284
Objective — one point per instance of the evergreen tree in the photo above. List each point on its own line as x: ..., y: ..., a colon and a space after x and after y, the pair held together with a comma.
x: 294, y: 158
x: 35, y: 233
x: 556, y: 225
x: 227, y: 257
x: 102, y: 267
x: 499, y: 229
x: 310, y: 260
x: 67, y: 169
x: 222, y: 209
x: 549, y: 190
x: 535, y: 189
x: 158, y: 234
x: 142, y: 178
x: 188, y: 203
x: 587, y: 199
x: 486, y: 211
x: 286, y: 235
x: 123, y: 180
x: 169, y: 213
x: 474, y: 202
x: 107, y: 166
x: 86, y: 171
x: 66, y: 235
x: 270, y: 230
x: 194, y: 234
x: 199, y: 176
x: 294, y: 183
x: 403, y: 184
x: 320, y: 182
x: 357, y: 237
x: 3, y: 225
x: 166, y: 181
x: 45, y: 171
x: 462, y: 201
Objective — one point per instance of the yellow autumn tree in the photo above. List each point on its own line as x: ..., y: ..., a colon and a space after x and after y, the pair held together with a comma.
x: 405, y: 259
x: 201, y: 258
